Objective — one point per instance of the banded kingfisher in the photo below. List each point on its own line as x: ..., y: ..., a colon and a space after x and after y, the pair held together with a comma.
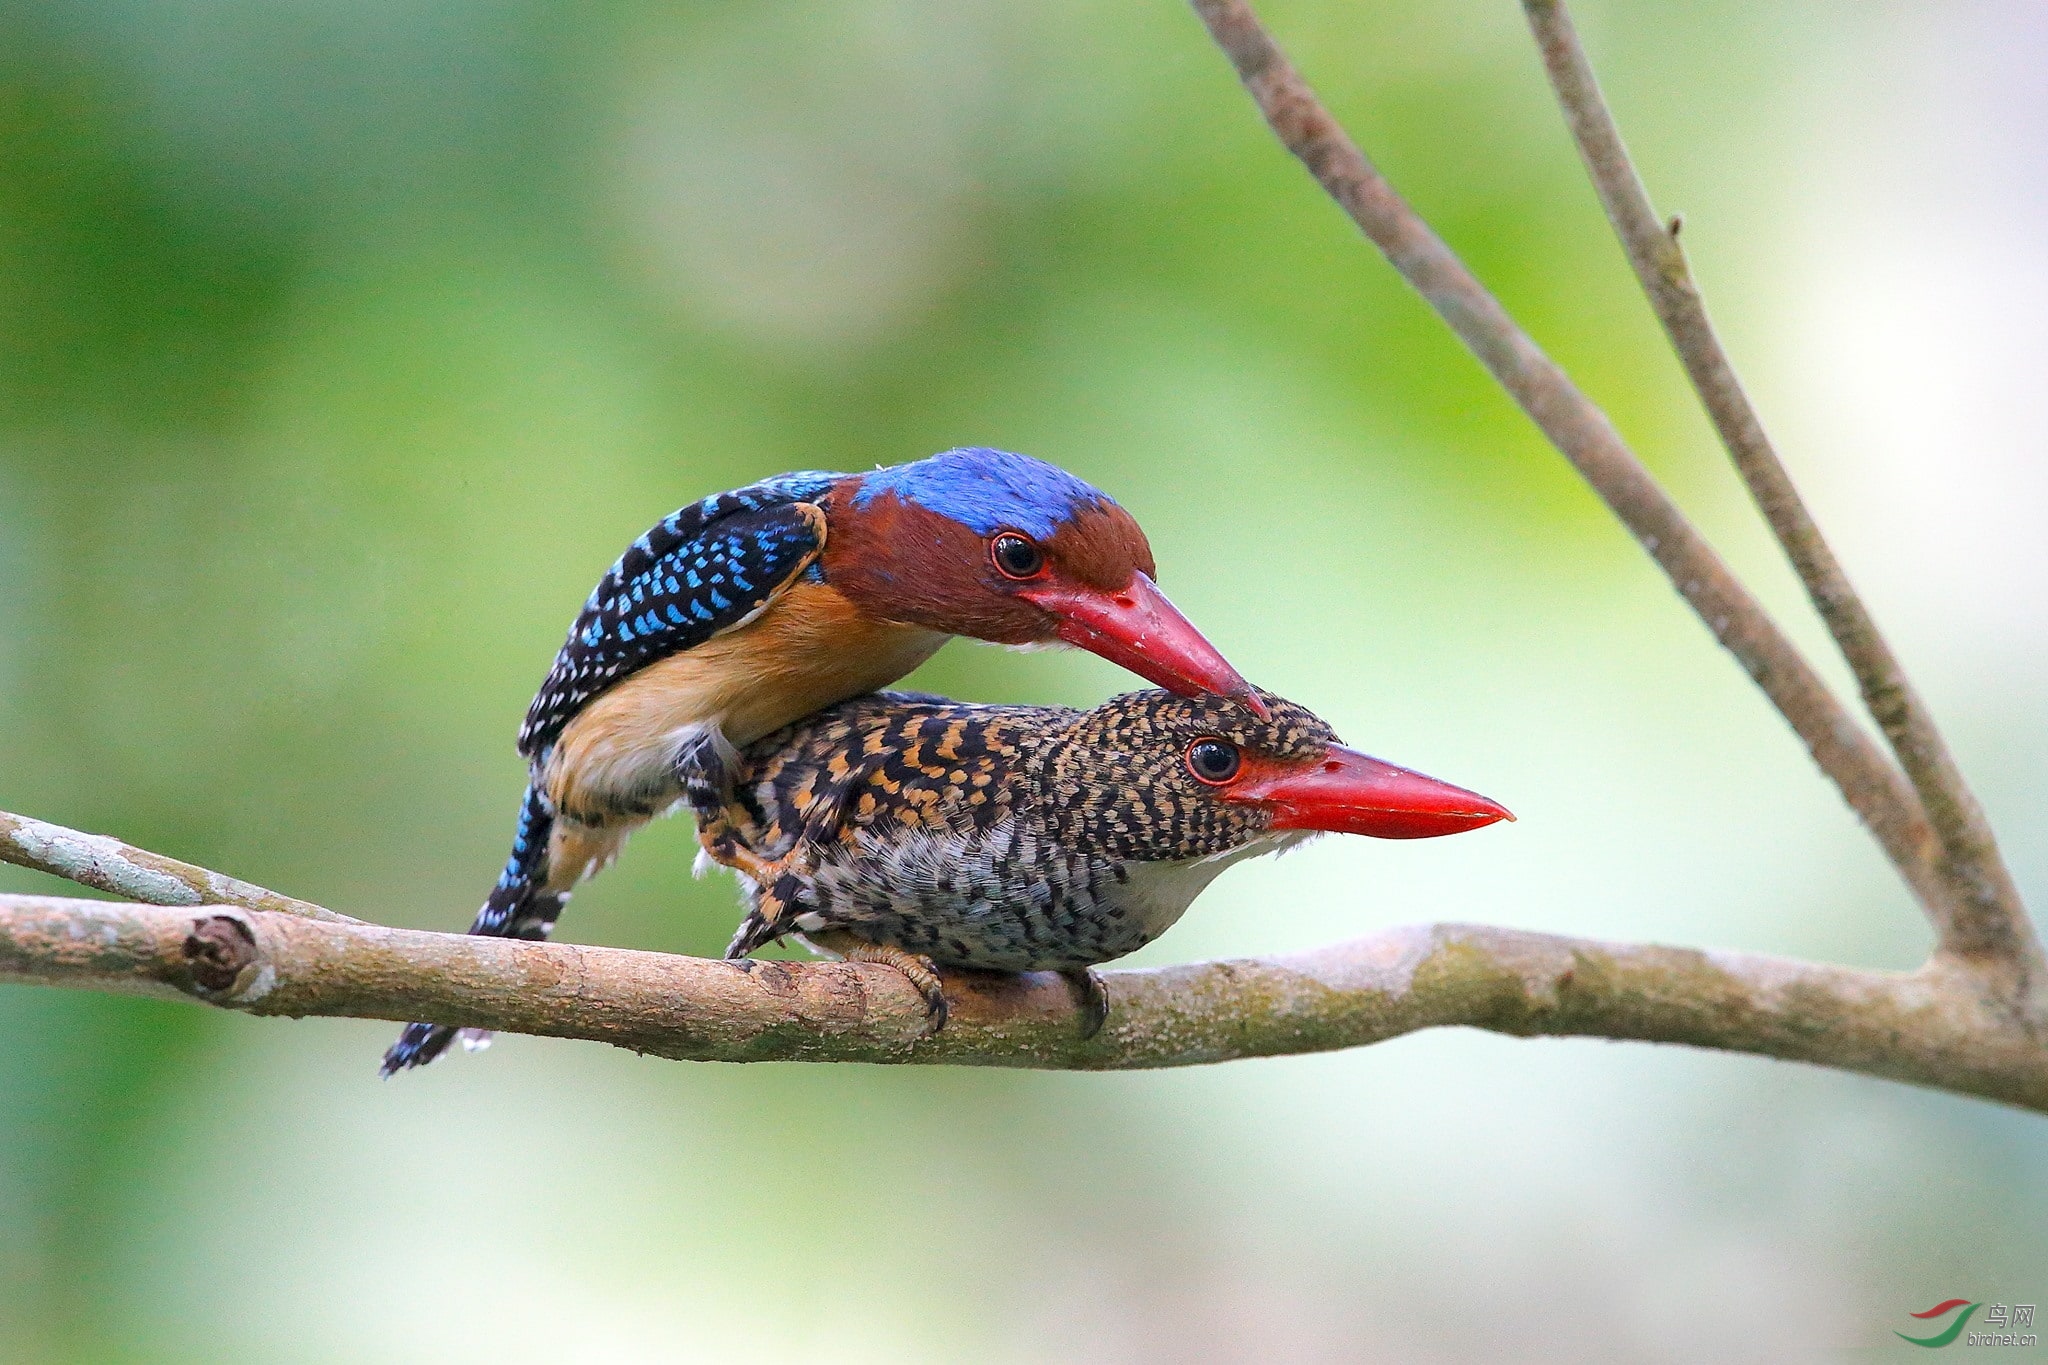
x: 739, y: 614
x: 925, y: 833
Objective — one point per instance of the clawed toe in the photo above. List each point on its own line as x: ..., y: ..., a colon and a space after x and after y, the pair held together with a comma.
x: 935, y: 1011
x: 920, y: 971
x: 923, y: 975
x: 1091, y: 998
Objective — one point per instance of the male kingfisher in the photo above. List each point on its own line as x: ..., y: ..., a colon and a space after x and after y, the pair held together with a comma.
x: 742, y: 613
x: 924, y: 833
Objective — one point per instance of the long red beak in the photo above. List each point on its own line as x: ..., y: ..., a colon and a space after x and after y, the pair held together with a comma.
x: 1139, y: 629
x: 1350, y: 793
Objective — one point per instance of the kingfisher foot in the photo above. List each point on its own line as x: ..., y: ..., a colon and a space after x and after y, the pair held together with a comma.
x: 721, y: 848
x: 1091, y: 998
x: 917, y: 968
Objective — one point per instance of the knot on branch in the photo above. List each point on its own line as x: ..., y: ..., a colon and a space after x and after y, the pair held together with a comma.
x: 217, y: 951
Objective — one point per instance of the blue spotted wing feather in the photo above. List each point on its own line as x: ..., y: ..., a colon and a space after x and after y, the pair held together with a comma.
x: 703, y: 570
x: 519, y: 906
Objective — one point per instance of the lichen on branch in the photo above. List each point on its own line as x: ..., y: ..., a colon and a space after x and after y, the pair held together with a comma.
x: 1928, y: 1028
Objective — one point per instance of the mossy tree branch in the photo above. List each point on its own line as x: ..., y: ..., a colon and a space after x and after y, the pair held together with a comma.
x: 1929, y: 1028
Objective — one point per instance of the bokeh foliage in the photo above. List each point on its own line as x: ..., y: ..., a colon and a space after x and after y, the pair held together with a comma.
x: 342, y: 346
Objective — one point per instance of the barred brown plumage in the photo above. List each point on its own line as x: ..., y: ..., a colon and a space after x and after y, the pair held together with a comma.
x: 924, y: 831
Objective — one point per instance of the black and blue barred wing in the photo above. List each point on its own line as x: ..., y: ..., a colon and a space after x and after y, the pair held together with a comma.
x: 703, y: 570
x: 699, y: 572
x: 519, y: 906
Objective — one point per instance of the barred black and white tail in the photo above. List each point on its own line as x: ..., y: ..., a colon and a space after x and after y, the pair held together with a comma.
x: 520, y: 906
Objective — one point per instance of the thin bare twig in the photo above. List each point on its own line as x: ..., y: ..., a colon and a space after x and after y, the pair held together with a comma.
x: 1929, y: 1028
x: 107, y: 864
x: 1868, y: 780
x: 1983, y: 914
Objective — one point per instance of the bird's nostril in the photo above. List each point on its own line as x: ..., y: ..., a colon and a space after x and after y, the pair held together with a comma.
x: 1333, y: 766
x: 1125, y: 602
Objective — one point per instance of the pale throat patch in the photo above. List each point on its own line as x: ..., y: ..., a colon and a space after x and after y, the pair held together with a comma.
x: 1161, y: 892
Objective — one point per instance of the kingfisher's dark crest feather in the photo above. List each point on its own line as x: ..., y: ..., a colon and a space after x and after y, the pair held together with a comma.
x: 702, y: 570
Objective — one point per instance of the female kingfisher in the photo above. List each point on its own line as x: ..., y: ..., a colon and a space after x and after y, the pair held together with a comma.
x: 926, y: 833
x: 740, y: 614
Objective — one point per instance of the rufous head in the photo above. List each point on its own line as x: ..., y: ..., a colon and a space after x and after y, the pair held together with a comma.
x: 1001, y: 547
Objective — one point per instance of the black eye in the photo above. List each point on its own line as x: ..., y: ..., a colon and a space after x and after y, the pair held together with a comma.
x: 1213, y: 760
x: 1016, y: 556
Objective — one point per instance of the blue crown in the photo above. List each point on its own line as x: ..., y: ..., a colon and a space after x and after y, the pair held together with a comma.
x: 986, y: 490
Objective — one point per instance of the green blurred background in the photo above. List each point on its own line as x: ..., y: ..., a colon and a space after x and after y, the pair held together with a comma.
x: 342, y: 346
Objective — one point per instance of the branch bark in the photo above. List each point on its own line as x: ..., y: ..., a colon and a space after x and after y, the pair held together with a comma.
x: 1867, y: 779
x: 107, y: 864
x: 1981, y: 915
x: 1932, y: 1028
